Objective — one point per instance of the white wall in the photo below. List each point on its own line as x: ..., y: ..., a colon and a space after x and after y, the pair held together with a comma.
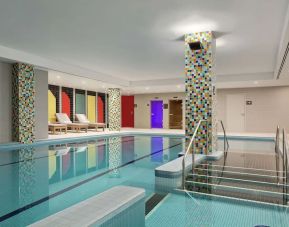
x: 41, y: 103
x: 142, y: 111
x: 270, y: 107
x: 5, y: 102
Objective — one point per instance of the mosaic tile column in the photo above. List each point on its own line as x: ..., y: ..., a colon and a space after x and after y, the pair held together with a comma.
x: 114, y: 109
x: 23, y: 103
x: 200, y: 90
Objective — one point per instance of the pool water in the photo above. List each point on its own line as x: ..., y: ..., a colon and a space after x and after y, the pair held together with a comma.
x: 249, y: 146
x: 41, y: 180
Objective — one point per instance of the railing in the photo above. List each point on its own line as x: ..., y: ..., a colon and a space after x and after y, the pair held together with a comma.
x: 277, y: 152
x: 226, y: 142
x: 193, y: 151
x: 285, y: 167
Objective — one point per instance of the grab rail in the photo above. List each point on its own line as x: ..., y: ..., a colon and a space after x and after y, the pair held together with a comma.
x: 277, y: 152
x: 285, y: 167
x: 226, y: 142
x: 188, y: 150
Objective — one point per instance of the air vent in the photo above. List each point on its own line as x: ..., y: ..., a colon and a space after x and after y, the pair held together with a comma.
x: 283, y: 61
x: 195, y: 46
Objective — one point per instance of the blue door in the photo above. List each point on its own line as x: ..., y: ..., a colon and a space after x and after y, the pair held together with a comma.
x: 156, y: 114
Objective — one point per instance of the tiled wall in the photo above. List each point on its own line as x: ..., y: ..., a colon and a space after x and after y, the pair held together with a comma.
x: 23, y: 100
x: 200, y: 90
x: 114, y: 108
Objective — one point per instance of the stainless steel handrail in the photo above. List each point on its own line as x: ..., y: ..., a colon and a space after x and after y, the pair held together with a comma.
x: 188, y: 150
x: 277, y: 152
x: 226, y: 142
x: 285, y: 167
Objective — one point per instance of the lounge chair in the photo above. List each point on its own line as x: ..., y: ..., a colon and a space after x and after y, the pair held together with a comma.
x: 83, y: 119
x: 53, y: 127
x: 62, y: 118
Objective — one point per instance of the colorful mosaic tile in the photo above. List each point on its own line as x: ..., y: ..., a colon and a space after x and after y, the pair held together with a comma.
x: 23, y: 100
x: 114, y: 109
x: 200, y: 90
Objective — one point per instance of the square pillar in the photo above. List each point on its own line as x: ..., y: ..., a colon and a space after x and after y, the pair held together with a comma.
x: 23, y: 103
x: 114, y: 109
x: 200, y: 90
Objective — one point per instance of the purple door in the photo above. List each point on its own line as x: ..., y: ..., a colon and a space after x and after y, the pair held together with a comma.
x: 157, y: 114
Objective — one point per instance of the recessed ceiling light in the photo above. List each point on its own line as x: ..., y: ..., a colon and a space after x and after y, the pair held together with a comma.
x: 194, y: 24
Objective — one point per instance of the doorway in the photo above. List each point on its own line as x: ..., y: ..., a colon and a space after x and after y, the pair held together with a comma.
x: 235, y: 112
x: 175, y: 114
x: 156, y: 114
x: 127, y: 111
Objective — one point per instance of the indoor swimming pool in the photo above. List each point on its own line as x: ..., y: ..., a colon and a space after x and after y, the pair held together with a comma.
x: 40, y: 180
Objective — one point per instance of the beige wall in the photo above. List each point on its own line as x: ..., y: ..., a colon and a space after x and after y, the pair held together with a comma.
x: 5, y: 102
x: 142, y: 111
x: 270, y: 107
x: 41, y: 104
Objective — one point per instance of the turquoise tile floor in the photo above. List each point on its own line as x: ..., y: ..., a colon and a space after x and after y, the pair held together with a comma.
x: 180, y: 210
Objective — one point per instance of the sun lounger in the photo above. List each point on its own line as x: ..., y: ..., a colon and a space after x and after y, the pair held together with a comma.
x: 62, y: 118
x: 83, y: 119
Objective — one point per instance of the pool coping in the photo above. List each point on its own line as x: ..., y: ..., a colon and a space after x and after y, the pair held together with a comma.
x: 16, y: 145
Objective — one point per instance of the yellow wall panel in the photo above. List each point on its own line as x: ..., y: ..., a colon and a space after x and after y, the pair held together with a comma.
x: 91, y: 108
x: 51, y: 107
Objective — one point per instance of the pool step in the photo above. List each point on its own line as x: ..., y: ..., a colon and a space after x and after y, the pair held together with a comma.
x: 241, y: 169
x: 230, y: 189
x: 242, y: 174
x: 254, y: 184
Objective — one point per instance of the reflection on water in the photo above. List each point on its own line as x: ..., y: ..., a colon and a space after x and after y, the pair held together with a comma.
x: 114, y: 156
x: 37, y: 174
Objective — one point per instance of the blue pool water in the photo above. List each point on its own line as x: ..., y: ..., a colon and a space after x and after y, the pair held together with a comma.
x: 37, y: 181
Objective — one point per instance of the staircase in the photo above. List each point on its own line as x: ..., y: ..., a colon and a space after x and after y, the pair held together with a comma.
x: 256, y: 177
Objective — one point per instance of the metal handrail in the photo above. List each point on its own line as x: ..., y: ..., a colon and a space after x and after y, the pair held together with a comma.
x: 277, y: 151
x: 285, y: 167
x: 188, y: 150
x: 226, y: 141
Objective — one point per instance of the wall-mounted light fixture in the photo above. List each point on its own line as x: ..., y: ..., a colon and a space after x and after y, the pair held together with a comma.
x: 196, y: 46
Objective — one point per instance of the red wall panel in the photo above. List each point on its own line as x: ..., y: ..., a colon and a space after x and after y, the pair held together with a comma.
x: 100, y: 110
x: 127, y: 111
x: 65, y: 104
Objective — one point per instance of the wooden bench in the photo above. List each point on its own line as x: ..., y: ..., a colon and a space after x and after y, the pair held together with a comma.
x: 116, y: 207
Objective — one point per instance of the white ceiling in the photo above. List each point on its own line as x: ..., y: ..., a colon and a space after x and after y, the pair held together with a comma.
x: 128, y: 41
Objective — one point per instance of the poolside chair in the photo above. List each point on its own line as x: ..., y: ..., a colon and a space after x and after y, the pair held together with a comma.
x: 83, y: 119
x: 64, y: 119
